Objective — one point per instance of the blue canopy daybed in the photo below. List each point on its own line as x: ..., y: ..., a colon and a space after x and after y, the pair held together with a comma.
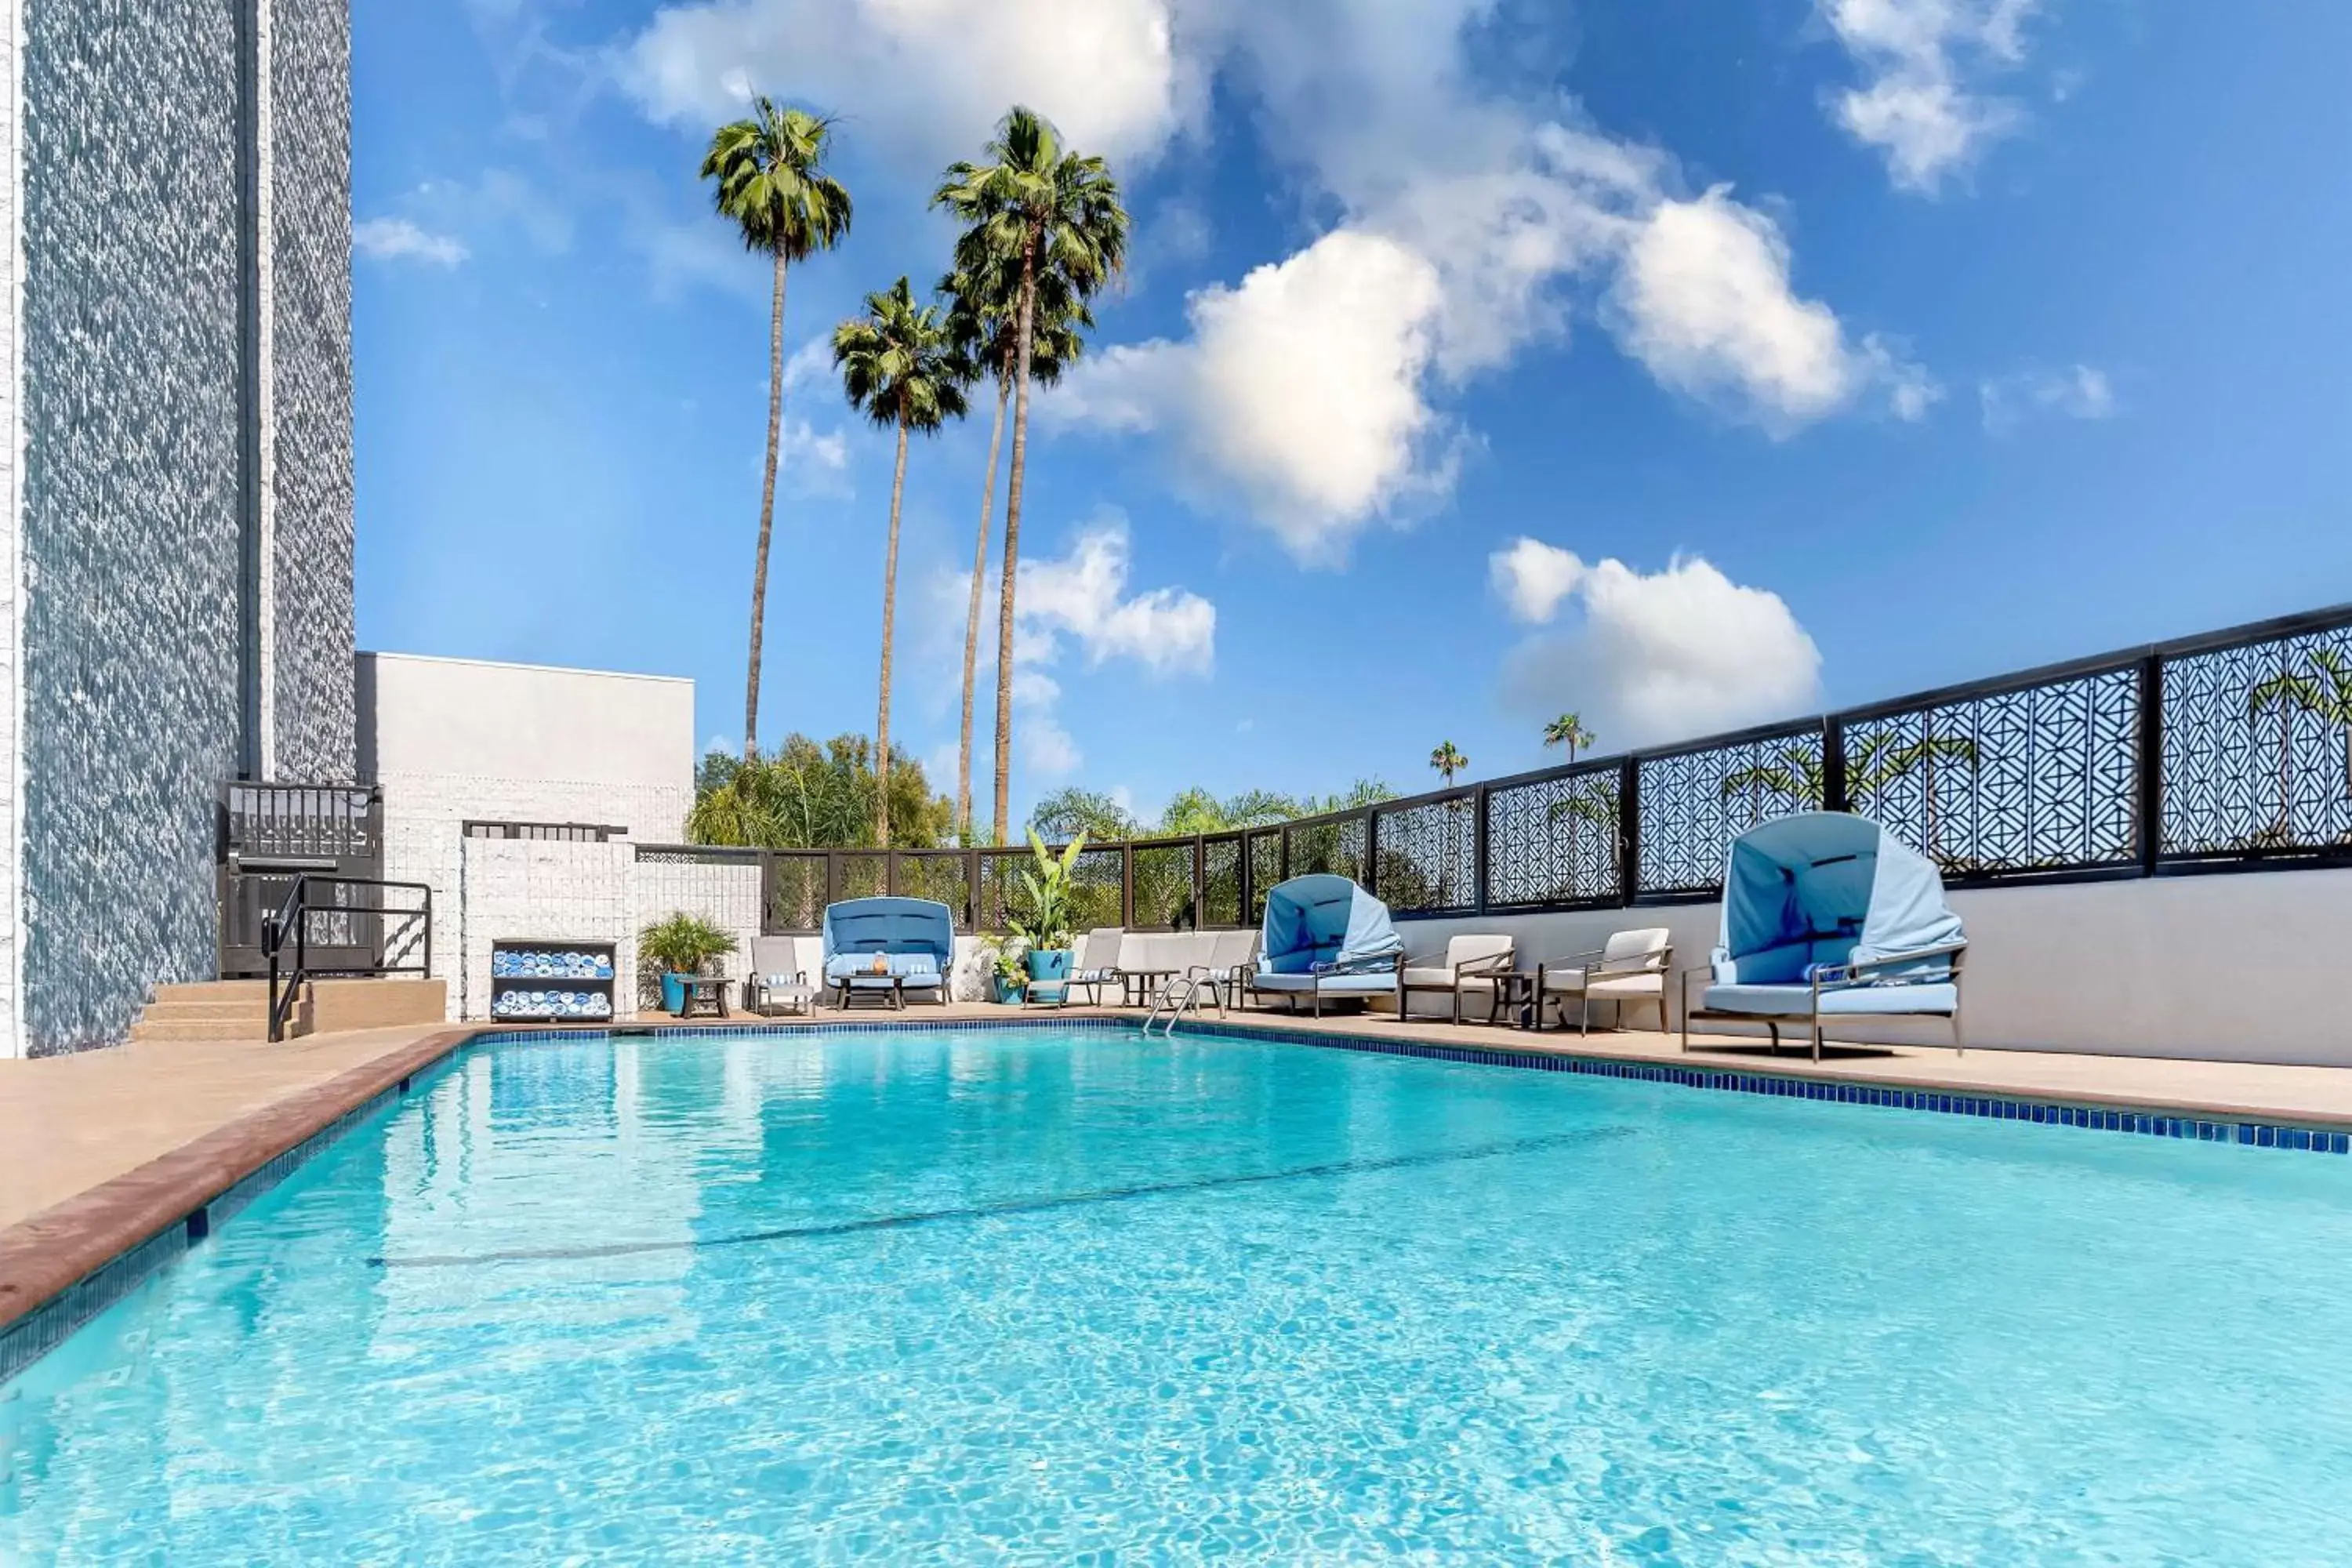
x: 1324, y: 936
x: 883, y: 948
x: 1826, y: 916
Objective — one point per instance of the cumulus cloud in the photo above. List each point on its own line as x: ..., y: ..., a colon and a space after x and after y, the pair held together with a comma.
x: 812, y: 462
x: 1077, y: 602
x: 1082, y: 595
x: 2077, y: 391
x: 1704, y: 301
x: 1532, y: 578
x: 929, y: 77
x: 1919, y: 59
x: 1300, y: 387
x: 398, y: 239
x: 1651, y: 656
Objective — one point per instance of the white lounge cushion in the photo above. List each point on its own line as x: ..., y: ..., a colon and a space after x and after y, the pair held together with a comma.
x: 1349, y: 984
x: 1477, y: 948
x: 1572, y: 980
x: 1859, y: 1001
x: 1647, y: 941
x: 1626, y: 986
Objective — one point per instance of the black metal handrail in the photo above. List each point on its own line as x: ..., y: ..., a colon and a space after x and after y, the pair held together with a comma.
x: 411, y: 930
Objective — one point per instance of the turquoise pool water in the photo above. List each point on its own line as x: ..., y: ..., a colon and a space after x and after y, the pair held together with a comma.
x: 1052, y: 1296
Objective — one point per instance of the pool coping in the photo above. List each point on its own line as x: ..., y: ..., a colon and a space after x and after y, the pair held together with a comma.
x: 65, y: 1265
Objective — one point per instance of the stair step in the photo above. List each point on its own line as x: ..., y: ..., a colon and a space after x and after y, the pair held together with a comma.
x: 213, y: 991
x: 191, y: 1012
x: 184, y: 1029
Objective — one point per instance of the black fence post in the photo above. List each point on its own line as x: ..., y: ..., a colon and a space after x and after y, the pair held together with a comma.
x: 1481, y: 850
x: 1833, y: 797
x: 1127, y: 887
x: 2149, y: 761
x: 1629, y: 831
x: 1372, y: 850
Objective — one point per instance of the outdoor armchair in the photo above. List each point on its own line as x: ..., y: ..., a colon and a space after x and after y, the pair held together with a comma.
x: 1468, y: 967
x: 1232, y: 959
x: 1628, y: 970
x: 1095, y: 964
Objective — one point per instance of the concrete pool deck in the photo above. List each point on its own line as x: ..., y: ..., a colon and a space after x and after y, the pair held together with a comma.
x: 106, y: 1149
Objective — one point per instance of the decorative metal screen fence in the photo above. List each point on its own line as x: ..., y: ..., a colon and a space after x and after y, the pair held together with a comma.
x: 2227, y: 751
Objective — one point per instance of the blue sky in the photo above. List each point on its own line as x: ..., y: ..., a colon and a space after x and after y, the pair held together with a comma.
x: 1682, y: 363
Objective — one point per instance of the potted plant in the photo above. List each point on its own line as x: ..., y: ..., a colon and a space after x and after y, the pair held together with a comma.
x: 1043, y: 922
x: 1008, y: 970
x: 678, y: 948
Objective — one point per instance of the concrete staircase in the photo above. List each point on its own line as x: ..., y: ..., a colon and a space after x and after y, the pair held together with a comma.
x: 239, y: 1009
x: 214, y: 1010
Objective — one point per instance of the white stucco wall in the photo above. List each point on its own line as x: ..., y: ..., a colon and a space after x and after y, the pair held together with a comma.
x: 2241, y: 967
x: 453, y: 740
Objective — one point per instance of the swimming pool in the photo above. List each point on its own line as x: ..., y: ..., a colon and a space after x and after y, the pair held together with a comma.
x: 1032, y: 1294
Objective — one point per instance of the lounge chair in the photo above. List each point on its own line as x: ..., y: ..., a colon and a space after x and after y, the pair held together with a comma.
x: 1630, y: 970
x: 1827, y: 916
x: 1095, y: 964
x: 1469, y: 968
x: 883, y: 948
x: 779, y: 980
x: 1324, y: 936
x: 1230, y: 959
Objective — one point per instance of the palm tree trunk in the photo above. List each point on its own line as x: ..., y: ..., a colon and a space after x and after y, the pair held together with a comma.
x: 972, y: 621
x: 1013, y: 542
x: 890, y: 611
x: 767, y: 513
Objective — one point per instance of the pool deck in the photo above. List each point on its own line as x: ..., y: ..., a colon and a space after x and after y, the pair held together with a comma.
x: 106, y: 1149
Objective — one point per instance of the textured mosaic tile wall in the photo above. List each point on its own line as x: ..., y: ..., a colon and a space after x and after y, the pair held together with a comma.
x: 130, y: 523
x: 131, y: 519
x: 311, y: 104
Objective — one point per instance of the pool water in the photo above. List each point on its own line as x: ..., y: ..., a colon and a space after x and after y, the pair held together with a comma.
x: 1062, y: 1295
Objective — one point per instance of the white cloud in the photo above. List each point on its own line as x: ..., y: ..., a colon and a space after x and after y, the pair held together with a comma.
x: 1661, y: 655
x: 928, y: 77
x: 811, y: 363
x: 1082, y: 595
x: 1919, y: 60
x: 811, y: 462
x: 1533, y: 577
x: 1301, y: 388
x: 398, y: 239
x: 2078, y: 392
x: 1704, y: 301
x: 1076, y: 602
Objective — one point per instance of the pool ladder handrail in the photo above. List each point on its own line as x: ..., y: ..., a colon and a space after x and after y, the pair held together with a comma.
x: 1179, y: 993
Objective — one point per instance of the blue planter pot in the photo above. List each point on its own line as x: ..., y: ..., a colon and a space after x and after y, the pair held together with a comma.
x: 1049, y: 963
x: 1003, y: 988
x: 674, y: 992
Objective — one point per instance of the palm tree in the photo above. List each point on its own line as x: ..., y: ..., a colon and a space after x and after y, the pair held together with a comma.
x: 1049, y: 213
x: 772, y: 182
x: 1569, y: 731
x: 984, y: 318
x: 2322, y: 689
x: 899, y: 369
x: 1448, y: 760
x: 1879, y: 762
x: 1796, y: 774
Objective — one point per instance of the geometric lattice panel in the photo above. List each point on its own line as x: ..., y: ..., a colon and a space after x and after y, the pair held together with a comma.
x: 1264, y: 870
x: 1553, y: 841
x: 2040, y: 779
x: 1694, y: 804
x: 1335, y: 846
x: 1163, y: 885
x: 2258, y: 747
x: 796, y: 893
x: 1429, y: 856
x: 1221, y: 883
x: 944, y: 876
